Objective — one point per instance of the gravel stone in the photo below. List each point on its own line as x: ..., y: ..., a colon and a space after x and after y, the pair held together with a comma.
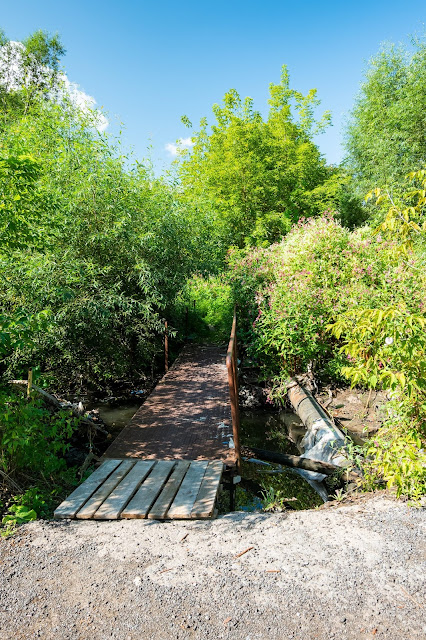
x: 350, y: 571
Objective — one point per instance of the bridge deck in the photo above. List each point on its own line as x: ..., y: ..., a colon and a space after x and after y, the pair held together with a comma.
x: 168, y: 461
x: 146, y: 489
x: 187, y: 416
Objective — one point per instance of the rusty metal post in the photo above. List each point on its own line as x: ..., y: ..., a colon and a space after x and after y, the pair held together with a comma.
x: 235, y: 367
x: 166, y: 347
x: 231, y: 364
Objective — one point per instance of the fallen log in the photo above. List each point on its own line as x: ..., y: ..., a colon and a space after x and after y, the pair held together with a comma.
x: 47, y: 396
x: 67, y: 406
x: 323, y: 441
x: 299, y: 462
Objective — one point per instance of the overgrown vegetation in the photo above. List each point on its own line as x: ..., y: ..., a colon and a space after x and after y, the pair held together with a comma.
x: 385, y: 138
x: 95, y: 251
x: 34, y: 442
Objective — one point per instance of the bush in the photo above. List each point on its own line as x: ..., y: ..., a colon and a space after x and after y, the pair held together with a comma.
x: 33, y: 444
x: 290, y: 292
x: 92, y: 250
x: 31, y: 437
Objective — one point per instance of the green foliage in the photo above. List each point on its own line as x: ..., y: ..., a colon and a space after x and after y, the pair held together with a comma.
x: 386, y: 347
x: 338, y: 194
x: 210, y: 308
x: 31, y: 437
x: 36, y: 502
x: 93, y: 249
x: 290, y: 292
x: 274, y: 500
x: 45, y: 49
x: 18, y: 200
x: 33, y: 443
x: 258, y: 175
x: 396, y: 456
x: 406, y: 217
x: 18, y: 514
x: 29, y: 72
x: 385, y: 137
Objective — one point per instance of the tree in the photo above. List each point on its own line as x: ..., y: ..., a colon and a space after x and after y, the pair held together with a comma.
x: 258, y: 175
x: 386, y: 135
x: 28, y: 70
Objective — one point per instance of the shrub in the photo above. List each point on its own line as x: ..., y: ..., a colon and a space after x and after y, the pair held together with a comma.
x: 31, y: 437
x: 291, y: 291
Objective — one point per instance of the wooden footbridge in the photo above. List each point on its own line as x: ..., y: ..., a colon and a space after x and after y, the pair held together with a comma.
x: 168, y: 462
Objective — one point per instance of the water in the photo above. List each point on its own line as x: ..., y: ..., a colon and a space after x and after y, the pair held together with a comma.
x: 116, y: 417
x: 276, y: 431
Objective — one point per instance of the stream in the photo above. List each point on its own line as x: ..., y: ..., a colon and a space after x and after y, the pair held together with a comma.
x: 277, y: 431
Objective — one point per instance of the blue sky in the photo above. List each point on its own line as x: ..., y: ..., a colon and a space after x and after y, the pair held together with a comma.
x: 148, y: 64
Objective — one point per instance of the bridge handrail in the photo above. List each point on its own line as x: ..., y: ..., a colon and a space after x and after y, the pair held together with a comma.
x: 232, y: 366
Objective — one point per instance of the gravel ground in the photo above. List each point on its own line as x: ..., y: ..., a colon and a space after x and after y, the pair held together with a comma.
x: 350, y: 571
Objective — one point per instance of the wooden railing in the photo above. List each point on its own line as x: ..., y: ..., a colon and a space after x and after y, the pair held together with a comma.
x: 232, y: 366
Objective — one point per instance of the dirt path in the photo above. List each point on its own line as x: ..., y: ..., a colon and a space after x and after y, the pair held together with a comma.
x: 351, y: 572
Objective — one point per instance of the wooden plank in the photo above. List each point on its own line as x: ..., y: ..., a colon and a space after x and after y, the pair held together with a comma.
x: 117, y: 500
x: 161, y: 505
x: 69, y: 507
x: 147, y: 493
x: 93, y: 504
x: 206, y: 497
x: 185, y: 498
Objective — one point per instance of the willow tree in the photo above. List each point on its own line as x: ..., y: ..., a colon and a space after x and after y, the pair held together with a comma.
x: 386, y: 137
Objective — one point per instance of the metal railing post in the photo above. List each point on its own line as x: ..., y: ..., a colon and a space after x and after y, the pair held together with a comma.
x: 166, y: 347
x: 232, y: 366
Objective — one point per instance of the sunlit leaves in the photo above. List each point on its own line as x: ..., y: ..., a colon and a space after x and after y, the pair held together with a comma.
x: 257, y: 175
x: 385, y: 137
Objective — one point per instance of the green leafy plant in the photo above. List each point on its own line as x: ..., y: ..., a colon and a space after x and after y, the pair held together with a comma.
x: 395, y: 457
x: 406, y: 217
x: 386, y: 348
x: 274, y: 500
x: 319, y: 275
x: 209, y: 305
x: 31, y: 437
x: 385, y: 134
x: 259, y: 175
x: 19, y: 515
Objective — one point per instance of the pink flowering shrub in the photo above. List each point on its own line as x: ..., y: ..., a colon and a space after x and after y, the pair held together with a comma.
x: 288, y: 293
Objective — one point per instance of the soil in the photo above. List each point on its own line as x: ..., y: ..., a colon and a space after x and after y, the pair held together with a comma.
x: 352, y: 571
x: 359, y: 412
